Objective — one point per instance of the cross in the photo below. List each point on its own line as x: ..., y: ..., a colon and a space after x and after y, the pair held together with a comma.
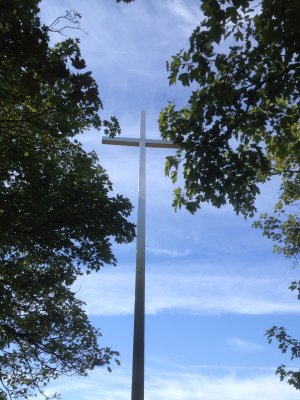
x: 138, y: 360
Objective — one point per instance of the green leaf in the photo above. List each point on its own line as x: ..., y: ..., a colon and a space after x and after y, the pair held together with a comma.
x: 58, y: 216
x: 184, y: 78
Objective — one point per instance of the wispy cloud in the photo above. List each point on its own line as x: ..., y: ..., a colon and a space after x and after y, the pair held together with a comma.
x: 112, y: 291
x: 154, y: 248
x: 162, y: 385
x: 189, y: 12
x: 168, y: 252
x: 241, y: 344
x: 198, y: 387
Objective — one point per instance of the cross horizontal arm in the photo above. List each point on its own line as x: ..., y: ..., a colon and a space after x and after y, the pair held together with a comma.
x: 121, y: 141
x: 164, y: 144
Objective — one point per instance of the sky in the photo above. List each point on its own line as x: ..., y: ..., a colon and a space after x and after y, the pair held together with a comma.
x: 213, y: 285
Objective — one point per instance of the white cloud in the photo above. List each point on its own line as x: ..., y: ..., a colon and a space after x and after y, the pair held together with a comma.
x: 107, y: 293
x: 112, y: 291
x: 154, y: 248
x: 242, y: 344
x: 198, y: 387
x: 187, y: 12
x: 162, y: 385
x: 168, y: 252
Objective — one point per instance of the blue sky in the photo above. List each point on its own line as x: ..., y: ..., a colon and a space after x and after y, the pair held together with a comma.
x: 213, y: 284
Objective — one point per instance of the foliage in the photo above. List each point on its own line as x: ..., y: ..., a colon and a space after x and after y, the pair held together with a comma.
x: 241, y: 123
x: 284, y: 229
x: 57, y: 217
x: 240, y: 126
x: 287, y: 343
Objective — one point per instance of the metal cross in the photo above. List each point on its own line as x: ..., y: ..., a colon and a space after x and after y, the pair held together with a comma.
x: 138, y: 360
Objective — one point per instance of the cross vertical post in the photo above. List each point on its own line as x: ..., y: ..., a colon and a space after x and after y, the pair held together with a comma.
x: 138, y: 359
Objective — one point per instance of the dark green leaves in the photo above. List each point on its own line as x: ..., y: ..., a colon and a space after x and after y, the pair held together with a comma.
x: 184, y: 79
x: 241, y: 124
x: 57, y: 214
x: 243, y: 99
x: 78, y: 63
x: 286, y: 344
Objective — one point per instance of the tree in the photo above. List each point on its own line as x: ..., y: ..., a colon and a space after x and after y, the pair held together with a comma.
x: 57, y: 216
x: 241, y: 124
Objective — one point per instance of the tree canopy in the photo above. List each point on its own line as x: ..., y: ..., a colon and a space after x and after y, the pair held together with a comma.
x: 240, y: 126
x: 57, y: 215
